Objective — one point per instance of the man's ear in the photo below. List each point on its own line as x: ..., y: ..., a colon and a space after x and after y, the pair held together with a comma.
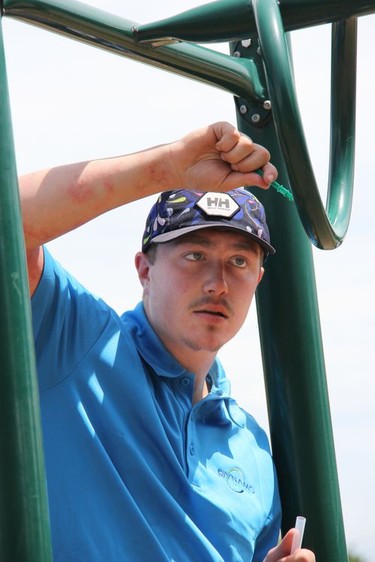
x: 142, y: 265
x: 261, y: 273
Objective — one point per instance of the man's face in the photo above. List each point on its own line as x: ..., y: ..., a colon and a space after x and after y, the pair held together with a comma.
x: 198, y: 290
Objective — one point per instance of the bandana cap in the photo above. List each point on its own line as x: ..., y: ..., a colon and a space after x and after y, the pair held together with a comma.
x: 182, y: 211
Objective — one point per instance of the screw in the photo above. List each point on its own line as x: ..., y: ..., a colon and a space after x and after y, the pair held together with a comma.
x: 246, y: 43
x: 255, y: 118
x: 267, y: 104
x: 236, y: 54
x: 243, y: 109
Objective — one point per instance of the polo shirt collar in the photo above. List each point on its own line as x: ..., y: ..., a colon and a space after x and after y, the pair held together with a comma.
x: 153, y: 351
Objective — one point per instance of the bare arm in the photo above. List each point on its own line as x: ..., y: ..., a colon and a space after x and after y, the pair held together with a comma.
x: 57, y: 200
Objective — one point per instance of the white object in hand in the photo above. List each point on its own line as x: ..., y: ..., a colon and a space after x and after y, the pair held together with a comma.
x: 298, y: 536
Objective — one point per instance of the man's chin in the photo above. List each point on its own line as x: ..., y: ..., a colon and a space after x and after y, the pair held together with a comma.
x: 209, y: 345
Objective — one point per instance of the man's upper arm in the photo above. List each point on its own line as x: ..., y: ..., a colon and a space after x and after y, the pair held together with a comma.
x: 35, y: 263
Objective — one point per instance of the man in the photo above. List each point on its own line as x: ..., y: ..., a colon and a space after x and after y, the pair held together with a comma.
x: 147, y: 455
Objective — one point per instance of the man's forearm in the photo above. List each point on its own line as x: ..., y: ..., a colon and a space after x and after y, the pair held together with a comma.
x: 57, y: 200
x: 214, y: 158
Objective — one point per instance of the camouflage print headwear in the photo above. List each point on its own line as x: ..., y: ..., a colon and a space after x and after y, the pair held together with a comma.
x: 178, y: 212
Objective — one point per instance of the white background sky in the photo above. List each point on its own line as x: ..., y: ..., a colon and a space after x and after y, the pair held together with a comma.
x: 72, y: 102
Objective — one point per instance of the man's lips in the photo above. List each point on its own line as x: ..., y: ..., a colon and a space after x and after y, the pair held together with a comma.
x: 213, y: 312
x: 206, y: 306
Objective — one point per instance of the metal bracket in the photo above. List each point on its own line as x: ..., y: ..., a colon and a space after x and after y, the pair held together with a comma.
x: 256, y: 113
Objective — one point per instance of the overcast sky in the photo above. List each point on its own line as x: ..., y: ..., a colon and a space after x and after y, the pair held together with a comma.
x: 71, y: 102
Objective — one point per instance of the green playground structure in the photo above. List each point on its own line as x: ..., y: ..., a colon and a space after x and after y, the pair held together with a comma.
x: 258, y: 72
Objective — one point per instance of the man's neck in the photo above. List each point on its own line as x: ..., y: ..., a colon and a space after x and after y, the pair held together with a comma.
x: 199, y: 363
x: 200, y: 389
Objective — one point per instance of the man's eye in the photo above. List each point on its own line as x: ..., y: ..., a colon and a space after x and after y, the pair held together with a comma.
x: 239, y: 261
x: 194, y: 256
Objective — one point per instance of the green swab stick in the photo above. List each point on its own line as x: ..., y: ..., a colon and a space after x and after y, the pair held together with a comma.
x: 280, y: 188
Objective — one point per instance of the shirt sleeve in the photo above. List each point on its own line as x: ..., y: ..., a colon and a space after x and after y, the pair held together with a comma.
x: 67, y: 321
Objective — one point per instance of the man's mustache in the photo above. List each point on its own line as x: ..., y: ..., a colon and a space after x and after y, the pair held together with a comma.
x: 221, y: 302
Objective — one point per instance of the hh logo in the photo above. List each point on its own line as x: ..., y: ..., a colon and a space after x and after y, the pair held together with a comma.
x: 218, y: 204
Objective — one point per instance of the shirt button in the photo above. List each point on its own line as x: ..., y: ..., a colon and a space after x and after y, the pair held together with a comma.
x: 192, y: 450
x: 185, y: 381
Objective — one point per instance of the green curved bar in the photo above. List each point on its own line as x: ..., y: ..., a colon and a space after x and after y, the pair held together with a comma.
x: 343, y: 104
x: 326, y: 231
x: 112, y: 33
x: 228, y: 20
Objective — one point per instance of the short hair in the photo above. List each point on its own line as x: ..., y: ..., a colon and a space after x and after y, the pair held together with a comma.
x: 151, y: 253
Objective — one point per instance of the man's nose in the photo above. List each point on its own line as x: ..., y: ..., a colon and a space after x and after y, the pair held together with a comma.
x: 215, y: 282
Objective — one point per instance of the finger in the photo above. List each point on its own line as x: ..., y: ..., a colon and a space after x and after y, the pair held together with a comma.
x: 268, y: 176
x: 244, y: 155
x: 303, y: 555
x: 228, y: 137
x: 281, y: 553
x: 241, y: 149
x: 270, y: 173
x: 236, y: 179
x: 282, y: 550
x: 247, y: 147
x: 300, y: 555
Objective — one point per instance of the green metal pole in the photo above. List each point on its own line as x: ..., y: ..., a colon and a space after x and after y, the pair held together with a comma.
x: 228, y: 20
x: 292, y: 350
x: 24, y: 526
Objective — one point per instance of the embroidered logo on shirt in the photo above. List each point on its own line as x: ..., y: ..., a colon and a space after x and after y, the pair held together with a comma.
x: 236, y: 480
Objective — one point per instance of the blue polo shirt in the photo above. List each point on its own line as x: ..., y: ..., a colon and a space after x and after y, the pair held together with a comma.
x: 134, y: 471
